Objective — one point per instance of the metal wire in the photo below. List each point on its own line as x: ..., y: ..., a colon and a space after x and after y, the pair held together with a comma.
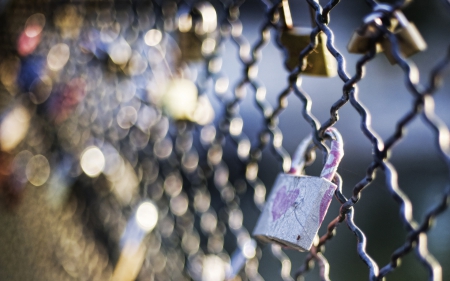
x: 382, y: 151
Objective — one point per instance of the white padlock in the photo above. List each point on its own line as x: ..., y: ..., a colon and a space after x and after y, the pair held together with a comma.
x: 298, y: 203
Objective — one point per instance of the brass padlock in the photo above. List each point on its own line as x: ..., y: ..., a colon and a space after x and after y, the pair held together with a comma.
x: 297, y: 203
x: 362, y: 37
x: 320, y: 62
x: 197, y: 32
x: 409, y: 39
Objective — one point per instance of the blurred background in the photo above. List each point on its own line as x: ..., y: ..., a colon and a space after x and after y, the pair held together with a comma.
x: 81, y: 94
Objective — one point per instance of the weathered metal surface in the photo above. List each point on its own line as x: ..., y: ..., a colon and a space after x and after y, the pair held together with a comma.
x: 294, y: 211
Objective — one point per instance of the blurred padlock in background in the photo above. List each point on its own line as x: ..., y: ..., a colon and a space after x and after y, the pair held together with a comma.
x: 108, y: 173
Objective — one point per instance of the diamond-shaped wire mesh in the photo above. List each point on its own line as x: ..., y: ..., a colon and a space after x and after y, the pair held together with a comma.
x: 93, y: 128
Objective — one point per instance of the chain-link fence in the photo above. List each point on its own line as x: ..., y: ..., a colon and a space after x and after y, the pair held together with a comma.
x: 140, y: 139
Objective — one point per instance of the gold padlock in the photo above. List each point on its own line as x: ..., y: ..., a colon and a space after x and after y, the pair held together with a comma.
x: 197, y: 32
x: 320, y: 62
x: 362, y: 37
x: 409, y: 39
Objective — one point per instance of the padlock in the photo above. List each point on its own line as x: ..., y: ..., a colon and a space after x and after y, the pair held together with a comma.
x: 320, y: 62
x: 409, y: 39
x: 297, y: 203
x: 361, y: 38
x: 197, y: 32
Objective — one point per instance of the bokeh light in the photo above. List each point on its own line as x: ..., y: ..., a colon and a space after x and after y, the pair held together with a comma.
x: 92, y: 161
x: 147, y: 216
x: 120, y: 52
x: 213, y: 268
x: 58, y: 56
x: 153, y: 37
x: 180, y: 98
x: 38, y: 170
x: 31, y: 35
x: 14, y: 128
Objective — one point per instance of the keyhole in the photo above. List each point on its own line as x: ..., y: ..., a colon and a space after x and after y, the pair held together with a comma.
x: 298, y: 237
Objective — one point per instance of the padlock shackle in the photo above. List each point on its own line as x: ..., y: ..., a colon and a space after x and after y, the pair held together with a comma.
x: 209, y: 16
x: 299, y: 159
x: 287, y: 16
x: 402, y: 20
x: 382, y: 10
x: 333, y: 159
x: 379, y: 11
x: 205, y: 11
x: 334, y: 156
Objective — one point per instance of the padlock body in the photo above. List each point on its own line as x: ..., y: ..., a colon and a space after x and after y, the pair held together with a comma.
x: 360, y: 42
x: 319, y: 63
x: 190, y: 46
x: 409, y: 39
x: 294, y: 211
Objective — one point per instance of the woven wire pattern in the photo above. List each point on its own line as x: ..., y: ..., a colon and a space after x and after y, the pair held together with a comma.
x: 181, y: 165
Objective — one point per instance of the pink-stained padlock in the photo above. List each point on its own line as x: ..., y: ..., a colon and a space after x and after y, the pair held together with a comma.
x: 298, y: 203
